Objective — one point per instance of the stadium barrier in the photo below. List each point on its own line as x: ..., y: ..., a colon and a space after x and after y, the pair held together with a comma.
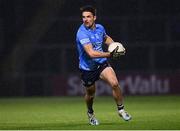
x: 131, y: 84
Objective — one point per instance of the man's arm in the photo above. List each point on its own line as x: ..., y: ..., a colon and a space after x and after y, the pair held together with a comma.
x: 95, y: 54
x: 108, y: 40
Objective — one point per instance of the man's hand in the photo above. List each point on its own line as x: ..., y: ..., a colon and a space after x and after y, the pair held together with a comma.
x: 123, y: 52
x: 115, y: 54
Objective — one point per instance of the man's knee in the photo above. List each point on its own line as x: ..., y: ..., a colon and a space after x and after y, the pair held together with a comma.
x: 91, y: 96
x: 114, y: 84
x: 90, y: 91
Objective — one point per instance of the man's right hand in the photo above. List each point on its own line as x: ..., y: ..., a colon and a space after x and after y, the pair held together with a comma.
x: 115, y: 54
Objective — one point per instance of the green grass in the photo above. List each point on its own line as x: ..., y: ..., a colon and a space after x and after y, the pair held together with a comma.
x: 148, y: 112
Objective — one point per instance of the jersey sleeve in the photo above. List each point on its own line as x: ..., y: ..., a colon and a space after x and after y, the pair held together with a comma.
x: 104, y: 32
x: 83, y: 38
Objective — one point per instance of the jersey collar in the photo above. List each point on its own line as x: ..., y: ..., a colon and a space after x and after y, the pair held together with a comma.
x: 89, y: 29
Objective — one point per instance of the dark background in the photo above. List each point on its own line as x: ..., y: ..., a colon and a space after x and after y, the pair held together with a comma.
x: 37, y: 39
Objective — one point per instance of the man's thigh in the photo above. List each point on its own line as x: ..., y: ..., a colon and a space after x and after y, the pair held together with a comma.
x: 108, y: 75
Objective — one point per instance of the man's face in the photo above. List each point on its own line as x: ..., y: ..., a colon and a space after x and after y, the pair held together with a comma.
x: 88, y: 19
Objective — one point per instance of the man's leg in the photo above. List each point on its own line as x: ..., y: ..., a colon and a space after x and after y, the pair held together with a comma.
x: 109, y: 76
x: 89, y: 98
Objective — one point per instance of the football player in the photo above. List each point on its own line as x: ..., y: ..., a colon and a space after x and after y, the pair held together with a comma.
x: 93, y: 62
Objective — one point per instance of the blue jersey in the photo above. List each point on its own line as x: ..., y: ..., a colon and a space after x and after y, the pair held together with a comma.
x: 94, y: 37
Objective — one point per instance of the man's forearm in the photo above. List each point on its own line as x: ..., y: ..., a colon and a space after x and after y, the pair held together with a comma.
x: 98, y: 54
x: 108, y: 40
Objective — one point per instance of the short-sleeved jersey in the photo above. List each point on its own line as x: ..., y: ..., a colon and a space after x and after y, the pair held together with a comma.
x: 90, y: 36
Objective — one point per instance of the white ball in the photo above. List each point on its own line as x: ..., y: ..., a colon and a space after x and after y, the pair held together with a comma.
x: 113, y: 45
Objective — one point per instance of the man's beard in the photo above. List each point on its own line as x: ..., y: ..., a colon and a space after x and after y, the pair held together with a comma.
x: 91, y: 26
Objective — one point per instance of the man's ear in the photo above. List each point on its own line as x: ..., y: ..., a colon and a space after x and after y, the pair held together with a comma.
x: 95, y: 17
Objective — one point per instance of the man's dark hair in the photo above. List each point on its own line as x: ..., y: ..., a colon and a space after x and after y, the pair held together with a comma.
x: 88, y: 8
